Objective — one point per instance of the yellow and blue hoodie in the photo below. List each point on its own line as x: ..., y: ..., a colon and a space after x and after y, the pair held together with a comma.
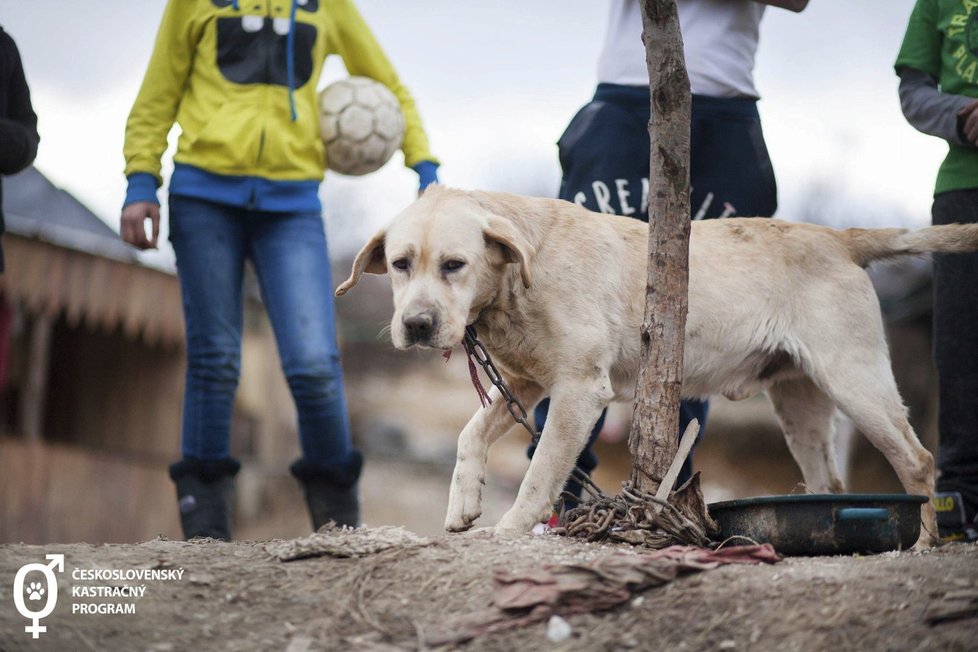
x: 239, y: 77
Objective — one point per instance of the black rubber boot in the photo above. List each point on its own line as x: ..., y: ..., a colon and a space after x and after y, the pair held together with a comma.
x: 332, y: 492
x: 955, y: 521
x: 205, y: 494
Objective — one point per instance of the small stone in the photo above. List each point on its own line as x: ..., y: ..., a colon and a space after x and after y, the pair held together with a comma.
x: 558, y: 629
x: 728, y: 644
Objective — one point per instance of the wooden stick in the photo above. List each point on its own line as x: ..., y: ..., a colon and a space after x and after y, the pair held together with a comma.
x: 685, y: 446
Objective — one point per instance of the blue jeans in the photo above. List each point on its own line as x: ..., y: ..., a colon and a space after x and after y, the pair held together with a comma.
x: 288, y: 252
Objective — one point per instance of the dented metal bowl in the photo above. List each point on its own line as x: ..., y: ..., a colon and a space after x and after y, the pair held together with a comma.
x: 823, y: 524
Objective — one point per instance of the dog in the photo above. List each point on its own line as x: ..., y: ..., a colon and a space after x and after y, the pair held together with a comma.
x: 557, y: 295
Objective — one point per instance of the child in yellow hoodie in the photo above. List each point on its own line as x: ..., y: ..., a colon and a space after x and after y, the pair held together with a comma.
x: 239, y: 78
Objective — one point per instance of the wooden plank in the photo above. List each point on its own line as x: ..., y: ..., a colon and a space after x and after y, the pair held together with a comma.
x: 52, y: 493
x: 35, y: 387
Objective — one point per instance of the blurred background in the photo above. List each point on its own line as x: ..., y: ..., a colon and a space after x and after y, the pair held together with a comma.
x: 91, y: 334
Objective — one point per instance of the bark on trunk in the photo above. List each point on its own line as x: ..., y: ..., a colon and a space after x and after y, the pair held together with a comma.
x: 655, y: 419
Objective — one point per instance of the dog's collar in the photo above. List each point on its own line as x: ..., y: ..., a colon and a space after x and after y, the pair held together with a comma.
x: 472, y: 348
x: 475, y: 351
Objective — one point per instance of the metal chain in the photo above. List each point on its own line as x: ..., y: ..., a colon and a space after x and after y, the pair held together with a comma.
x: 475, y: 349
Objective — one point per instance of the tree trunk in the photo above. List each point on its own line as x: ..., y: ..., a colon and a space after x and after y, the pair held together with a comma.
x: 655, y: 419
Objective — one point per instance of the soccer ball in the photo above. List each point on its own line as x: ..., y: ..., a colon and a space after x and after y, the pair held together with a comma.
x: 361, y: 124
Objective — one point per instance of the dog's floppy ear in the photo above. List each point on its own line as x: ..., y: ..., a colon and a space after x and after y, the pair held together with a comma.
x: 514, y: 246
x: 369, y: 260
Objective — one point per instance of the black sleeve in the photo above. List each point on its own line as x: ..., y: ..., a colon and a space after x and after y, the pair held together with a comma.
x: 18, y: 123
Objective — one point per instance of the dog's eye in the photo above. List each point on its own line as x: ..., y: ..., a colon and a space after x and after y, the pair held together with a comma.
x: 401, y: 264
x: 452, y: 265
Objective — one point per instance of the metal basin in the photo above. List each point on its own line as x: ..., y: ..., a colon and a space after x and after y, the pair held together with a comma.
x: 823, y: 524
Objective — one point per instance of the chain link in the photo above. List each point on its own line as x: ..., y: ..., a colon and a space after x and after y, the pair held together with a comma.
x: 475, y: 349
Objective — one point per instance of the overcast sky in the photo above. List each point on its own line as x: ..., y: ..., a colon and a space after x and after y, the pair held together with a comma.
x: 496, y: 82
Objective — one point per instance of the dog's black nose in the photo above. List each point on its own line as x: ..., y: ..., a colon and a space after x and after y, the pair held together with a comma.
x: 419, y: 327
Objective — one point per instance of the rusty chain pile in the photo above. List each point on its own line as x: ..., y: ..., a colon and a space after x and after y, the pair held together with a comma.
x: 633, y: 517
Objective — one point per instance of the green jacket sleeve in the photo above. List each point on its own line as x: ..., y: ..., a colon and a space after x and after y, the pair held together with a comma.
x: 921, y: 49
x: 363, y: 56
x: 155, y: 108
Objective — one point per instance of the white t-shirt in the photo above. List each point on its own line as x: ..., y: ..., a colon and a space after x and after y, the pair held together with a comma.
x: 719, y: 40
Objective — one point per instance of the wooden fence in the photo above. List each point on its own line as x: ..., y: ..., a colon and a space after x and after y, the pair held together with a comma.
x: 53, y: 493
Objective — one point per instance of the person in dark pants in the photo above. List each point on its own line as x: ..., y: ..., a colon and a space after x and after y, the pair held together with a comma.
x: 938, y: 69
x: 604, y: 152
x: 18, y: 122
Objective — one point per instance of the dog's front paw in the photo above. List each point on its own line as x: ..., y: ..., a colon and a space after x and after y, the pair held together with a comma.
x: 460, y: 523
x: 502, y: 532
x: 464, y: 507
x: 515, y: 523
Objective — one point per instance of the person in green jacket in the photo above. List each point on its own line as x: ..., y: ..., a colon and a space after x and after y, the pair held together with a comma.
x: 239, y: 78
x: 938, y: 69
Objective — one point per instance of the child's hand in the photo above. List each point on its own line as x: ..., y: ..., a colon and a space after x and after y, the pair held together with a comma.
x: 968, y: 121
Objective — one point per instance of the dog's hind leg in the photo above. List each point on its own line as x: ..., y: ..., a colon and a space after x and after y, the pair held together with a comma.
x: 574, y: 409
x: 806, y: 416
x: 483, y: 429
x: 866, y: 392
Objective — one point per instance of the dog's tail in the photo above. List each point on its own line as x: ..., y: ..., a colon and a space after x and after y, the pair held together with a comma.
x: 867, y: 245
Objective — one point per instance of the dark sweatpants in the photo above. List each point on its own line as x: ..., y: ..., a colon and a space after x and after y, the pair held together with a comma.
x: 604, y: 157
x: 956, y: 352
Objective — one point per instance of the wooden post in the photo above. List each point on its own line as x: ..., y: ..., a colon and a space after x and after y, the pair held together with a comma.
x: 35, y: 387
x: 655, y: 419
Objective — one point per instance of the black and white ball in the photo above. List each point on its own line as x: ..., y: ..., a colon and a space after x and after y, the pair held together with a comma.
x: 361, y: 123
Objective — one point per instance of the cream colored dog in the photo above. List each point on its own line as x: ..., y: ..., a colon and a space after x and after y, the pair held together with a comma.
x: 557, y: 294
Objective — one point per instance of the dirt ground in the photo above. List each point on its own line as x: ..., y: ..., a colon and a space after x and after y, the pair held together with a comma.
x: 239, y: 597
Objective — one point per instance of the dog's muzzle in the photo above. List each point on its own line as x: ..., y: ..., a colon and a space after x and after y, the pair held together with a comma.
x: 419, y: 327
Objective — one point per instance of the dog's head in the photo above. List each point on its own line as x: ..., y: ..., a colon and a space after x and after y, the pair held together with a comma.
x: 447, y: 255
